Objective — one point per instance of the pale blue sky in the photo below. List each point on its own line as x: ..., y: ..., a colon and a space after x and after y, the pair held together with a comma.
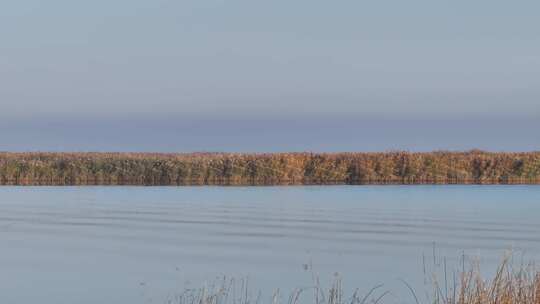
x: 269, y: 75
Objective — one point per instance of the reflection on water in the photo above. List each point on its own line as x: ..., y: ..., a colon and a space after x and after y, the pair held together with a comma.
x: 139, y: 245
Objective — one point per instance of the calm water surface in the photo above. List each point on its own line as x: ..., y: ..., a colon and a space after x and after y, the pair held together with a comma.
x: 143, y: 244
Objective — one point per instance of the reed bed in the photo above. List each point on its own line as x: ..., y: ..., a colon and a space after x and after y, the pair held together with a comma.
x: 399, y: 167
x: 508, y: 286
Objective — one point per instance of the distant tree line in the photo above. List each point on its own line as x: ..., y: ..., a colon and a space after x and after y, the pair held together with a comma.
x: 472, y: 167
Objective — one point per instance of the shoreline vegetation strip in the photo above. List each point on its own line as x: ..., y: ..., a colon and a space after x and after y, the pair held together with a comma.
x: 396, y: 167
x: 511, y: 284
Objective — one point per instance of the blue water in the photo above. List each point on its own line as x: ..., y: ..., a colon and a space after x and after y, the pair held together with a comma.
x: 145, y: 244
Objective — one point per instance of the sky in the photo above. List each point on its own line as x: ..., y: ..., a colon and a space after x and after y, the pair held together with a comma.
x: 269, y: 76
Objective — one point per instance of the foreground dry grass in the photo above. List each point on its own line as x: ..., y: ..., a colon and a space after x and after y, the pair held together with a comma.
x: 508, y: 286
x: 442, y: 167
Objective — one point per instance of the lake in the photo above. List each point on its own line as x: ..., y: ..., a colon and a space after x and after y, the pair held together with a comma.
x: 145, y: 244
